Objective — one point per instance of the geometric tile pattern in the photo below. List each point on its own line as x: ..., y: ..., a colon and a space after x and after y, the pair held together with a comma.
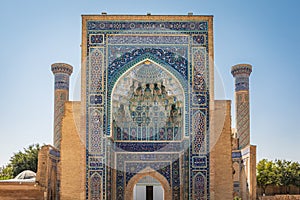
x: 96, y: 67
x: 180, y: 50
x: 131, y: 164
x: 96, y: 130
x: 95, y: 185
x: 241, y: 73
x: 151, y: 26
x: 199, y: 72
x: 199, y: 133
x: 62, y: 72
x: 199, y: 186
x: 242, y: 119
x: 61, y: 96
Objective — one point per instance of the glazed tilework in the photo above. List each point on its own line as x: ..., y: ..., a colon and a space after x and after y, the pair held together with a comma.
x: 147, y: 39
x: 61, y: 81
x: 96, y: 130
x: 96, y: 67
x: 150, y: 146
x: 241, y: 73
x: 241, y: 83
x: 115, y: 75
x: 172, y: 56
x: 115, y: 51
x: 62, y: 72
x: 131, y: 164
x: 243, y: 118
x: 96, y: 38
x: 199, y: 186
x: 147, y: 26
x: 200, y: 39
x: 96, y: 99
x: 132, y: 168
x: 199, y: 70
x: 95, y: 184
x: 199, y: 162
x: 61, y: 96
x: 236, y: 154
x: 199, y: 132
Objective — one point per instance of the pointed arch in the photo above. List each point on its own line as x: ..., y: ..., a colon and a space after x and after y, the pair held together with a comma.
x: 199, y: 186
x: 95, y: 186
x: 115, y: 76
x: 148, y: 171
x: 175, y: 62
x: 147, y: 74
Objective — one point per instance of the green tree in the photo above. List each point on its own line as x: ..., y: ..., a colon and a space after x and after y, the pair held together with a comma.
x: 297, y: 179
x: 26, y: 160
x: 295, y: 168
x: 6, y: 172
x: 265, y: 174
x: 284, y: 173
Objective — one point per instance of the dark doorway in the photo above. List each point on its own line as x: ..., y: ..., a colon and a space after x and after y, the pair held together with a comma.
x: 149, y: 192
x: 148, y: 188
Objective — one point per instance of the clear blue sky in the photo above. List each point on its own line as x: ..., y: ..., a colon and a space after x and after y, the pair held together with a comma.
x: 265, y: 33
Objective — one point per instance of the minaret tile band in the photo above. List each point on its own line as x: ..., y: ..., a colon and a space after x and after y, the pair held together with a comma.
x: 241, y: 73
x: 61, y: 68
x: 62, y: 72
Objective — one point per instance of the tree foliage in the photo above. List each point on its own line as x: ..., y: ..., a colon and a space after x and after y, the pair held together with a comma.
x: 280, y: 172
x: 265, y: 174
x: 6, y: 172
x: 296, y: 175
x: 20, y: 161
x: 284, y: 173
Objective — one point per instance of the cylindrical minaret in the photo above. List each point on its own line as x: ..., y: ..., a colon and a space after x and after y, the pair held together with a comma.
x: 62, y: 72
x: 241, y: 73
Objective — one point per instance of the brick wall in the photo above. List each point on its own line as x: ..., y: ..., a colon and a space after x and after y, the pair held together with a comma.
x: 281, y: 197
x: 18, y: 190
x: 72, y: 155
x: 47, y: 176
x: 221, y: 178
x: 273, y: 190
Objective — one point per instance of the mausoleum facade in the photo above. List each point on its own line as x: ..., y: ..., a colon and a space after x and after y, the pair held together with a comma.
x: 148, y: 116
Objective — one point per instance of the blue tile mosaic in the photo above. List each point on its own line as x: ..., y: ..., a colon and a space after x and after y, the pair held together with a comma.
x: 147, y: 105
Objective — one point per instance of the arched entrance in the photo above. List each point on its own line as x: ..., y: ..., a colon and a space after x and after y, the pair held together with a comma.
x: 148, y: 172
x: 148, y: 188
